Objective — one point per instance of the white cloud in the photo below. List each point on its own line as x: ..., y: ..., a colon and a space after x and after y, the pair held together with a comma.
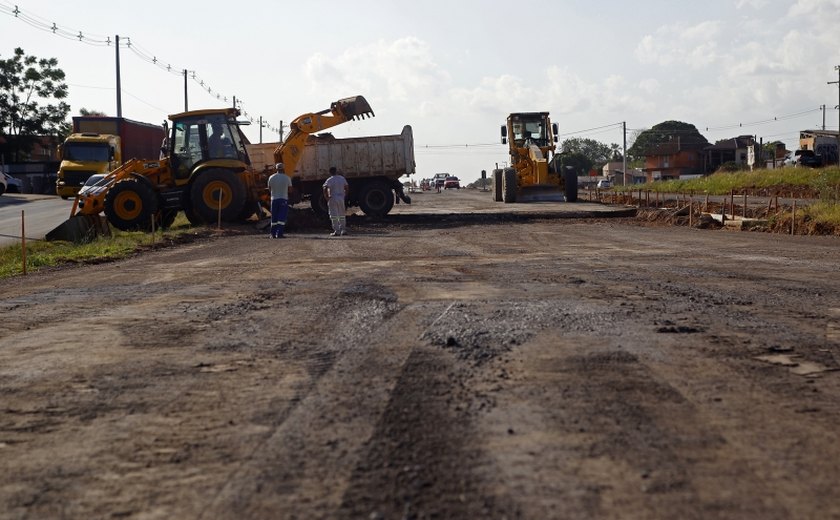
x: 400, y: 71
x: 694, y: 46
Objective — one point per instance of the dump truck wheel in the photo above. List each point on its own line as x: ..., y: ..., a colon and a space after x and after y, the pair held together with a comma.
x: 205, y: 196
x: 570, y: 185
x: 377, y: 198
x: 130, y: 205
x: 319, y: 204
x: 497, y: 185
x: 509, y: 185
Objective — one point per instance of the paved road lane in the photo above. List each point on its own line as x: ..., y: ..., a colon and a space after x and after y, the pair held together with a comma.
x: 43, y: 212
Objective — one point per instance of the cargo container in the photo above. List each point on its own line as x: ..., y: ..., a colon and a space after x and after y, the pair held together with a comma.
x: 102, y: 144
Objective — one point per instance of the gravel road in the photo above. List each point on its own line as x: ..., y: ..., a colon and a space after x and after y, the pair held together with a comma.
x: 429, y: 368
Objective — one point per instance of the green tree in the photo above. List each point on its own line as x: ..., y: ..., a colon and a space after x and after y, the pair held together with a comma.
x: 596, y: 152
x: 580, y: 162
x: 32, y: 93
x: 665, y: 132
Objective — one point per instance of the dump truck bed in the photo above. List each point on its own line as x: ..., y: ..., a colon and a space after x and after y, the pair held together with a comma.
x: 389, y: 156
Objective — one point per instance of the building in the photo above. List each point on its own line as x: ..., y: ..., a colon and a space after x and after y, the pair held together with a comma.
x: 733, y: 150
x: 674, y: 159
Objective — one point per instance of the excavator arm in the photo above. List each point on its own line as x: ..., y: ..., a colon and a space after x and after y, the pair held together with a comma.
x: 290, y: 150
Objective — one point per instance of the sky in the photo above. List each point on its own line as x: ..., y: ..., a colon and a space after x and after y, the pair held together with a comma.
x: 455, y: 69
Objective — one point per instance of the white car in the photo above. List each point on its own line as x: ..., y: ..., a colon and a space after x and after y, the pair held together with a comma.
x: 604, y: 184
x: 92, y: 180
x: 13, y: 184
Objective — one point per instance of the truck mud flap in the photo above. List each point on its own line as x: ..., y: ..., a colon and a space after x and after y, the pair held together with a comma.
x: 80, y: 229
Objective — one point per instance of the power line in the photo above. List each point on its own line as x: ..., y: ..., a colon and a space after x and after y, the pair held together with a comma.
x: 99, y: 40
x: 796, y: 115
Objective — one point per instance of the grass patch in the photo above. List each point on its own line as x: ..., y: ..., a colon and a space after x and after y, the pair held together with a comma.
x: 823, y: 181
x: 42, y: 254
x: 824, y: 212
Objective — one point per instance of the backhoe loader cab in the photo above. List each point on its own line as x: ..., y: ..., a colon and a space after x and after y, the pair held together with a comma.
x: 531, y: 139
x: 202, y: 136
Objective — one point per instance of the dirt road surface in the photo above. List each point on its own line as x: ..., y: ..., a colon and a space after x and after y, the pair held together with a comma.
x: 553, y: 368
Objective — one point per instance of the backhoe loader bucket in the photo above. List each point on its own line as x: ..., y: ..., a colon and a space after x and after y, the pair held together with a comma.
x: 80, y: 229
x: 355, y: 107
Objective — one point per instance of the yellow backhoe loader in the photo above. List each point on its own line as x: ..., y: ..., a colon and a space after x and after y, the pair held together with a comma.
x: 532, y: 175
x: 204, y: 171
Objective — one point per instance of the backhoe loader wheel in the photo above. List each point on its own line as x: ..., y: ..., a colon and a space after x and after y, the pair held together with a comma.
x: 509, y: 185
x: 214, y: 188
x: 570, y: 185
x: 130, y: 205
x: 497, y: 185
x: 376, y: 198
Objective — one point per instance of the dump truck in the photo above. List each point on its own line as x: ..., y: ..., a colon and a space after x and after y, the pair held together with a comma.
x: 532, y: 174
x: 205, y: 172
x: 100, y: 145
x: 372, y: 166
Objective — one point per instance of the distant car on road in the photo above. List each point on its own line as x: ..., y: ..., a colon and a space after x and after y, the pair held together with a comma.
x: 13, y: 184
x: 452, y: 182
x: 604, y: 184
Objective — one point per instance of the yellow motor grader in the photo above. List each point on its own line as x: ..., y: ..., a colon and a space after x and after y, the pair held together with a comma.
x: 204, y: 170
x: 532, y: 174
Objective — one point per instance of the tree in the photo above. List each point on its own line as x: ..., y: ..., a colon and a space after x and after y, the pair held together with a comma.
x: 664, y: 132
x: 596, y: 152
x: 32, y: 91
x: 580, y: 162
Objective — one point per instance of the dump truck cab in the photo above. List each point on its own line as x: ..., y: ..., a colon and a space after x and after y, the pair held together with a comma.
x: 82, y: 155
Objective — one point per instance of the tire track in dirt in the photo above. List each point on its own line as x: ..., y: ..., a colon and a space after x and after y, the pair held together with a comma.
x: 301, y: 468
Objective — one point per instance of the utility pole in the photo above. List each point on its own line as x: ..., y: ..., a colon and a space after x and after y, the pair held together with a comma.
x: 624, y: 153
x: 119, y: 84
x: 837, y: 68
x: 281, y: 130
x: 823, y: 111
x: 186, y: 101
x: 261, y: 127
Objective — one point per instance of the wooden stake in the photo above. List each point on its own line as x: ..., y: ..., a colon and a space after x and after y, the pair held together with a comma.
x: 793, y: 219
x: 706, y: 207
x: 745, y: 204
x: 691, y: 212
x: 732, y: 202
x: 219, y: 202
x: 23, y: 239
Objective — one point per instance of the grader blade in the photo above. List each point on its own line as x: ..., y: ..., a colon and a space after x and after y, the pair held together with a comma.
x: 80, y: 229
x: 355, y: 107
x: 541, y: 193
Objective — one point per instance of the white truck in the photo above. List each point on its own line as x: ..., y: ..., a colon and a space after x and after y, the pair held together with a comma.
x: 372, y: 166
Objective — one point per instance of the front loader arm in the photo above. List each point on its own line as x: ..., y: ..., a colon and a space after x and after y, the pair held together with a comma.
x: 291, y: 149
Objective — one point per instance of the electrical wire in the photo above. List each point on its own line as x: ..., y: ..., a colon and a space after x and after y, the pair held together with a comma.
x: 100, y: 40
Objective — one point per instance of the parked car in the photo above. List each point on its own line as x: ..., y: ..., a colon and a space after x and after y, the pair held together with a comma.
x: 93, y: 179
x: 604, y: 184
x: 3, y: 184
x: 13, y: 184
x: 452, y: 182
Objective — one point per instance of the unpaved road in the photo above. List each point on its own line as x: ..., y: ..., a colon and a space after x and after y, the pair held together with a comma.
x: 428, y: 369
